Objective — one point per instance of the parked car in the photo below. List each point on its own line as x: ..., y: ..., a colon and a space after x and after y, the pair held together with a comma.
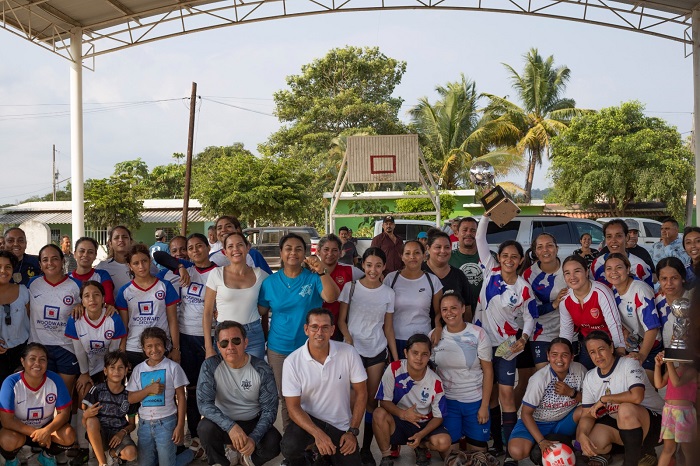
x: 406, y: 229
x: 649, y: 230
x: 266, y: 240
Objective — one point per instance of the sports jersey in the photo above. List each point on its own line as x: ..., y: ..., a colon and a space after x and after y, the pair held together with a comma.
x: 541, y: 396
x: 625, y: 374
x: 191, y: 309
x: 95, y: 337
x: 546, y: 287
x: 458, y: 358
x: 168, y: 373
x: 34, y: 406
x: 146, y: 308
x: 469, y: 265
x: 50, y: 305
x: 114, y: 407
x: 639, y: 269
x: 638, y: 313
x: 252, y: 259
x: 666, y: 317
x: 368, y: 307
x: 598, y: 311
x: 413, y: 303
x: 100, y: 276
x: 120, y: 272
x: 427, y: 394
x: 342, y: 274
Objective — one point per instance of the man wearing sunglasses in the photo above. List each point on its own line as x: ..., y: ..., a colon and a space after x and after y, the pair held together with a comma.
x: 316, y: 382
x: 237, y: 398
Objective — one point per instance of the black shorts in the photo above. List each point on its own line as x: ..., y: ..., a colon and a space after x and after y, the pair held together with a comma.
x: 405, y: 430
x: 525, y: 360
x: 652, y: 438
x: 374, y: 360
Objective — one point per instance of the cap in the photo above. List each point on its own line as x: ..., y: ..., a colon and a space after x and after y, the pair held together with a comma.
x: 159, y: 234
x: 389, y: 218
x: 422, y: 235
x: 632, y: 224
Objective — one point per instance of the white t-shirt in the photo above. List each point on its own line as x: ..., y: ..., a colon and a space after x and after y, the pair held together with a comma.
x: 368, y: 307
x: 120, y: 272
x: 638, y: 313
x: 541, y: 396
x: 625, y: 374
x: 240, y: 305
x: 427, y: 393
x: 324, y: 388
x: 166, y: 372
x: 458, y: 358
x: 412, y: 303
x: 50, y: 306
x: 191, y: 309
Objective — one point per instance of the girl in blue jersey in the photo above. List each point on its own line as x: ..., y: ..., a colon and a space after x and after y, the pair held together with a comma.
x: 145, y: 302
x: 28, y: 400
x: 53, y: 296
x: 14, y: 321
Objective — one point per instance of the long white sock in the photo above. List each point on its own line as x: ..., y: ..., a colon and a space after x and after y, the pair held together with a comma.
x: 80, y: 430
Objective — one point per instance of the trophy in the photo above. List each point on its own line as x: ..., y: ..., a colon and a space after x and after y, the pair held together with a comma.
x: 497, y: 203
x: 678, y: 349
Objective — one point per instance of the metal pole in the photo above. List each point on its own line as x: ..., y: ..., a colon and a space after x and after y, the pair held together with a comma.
x: 696, y: 105
x: 76, y: 134
x: 53, y: 172
x: 188, y: 164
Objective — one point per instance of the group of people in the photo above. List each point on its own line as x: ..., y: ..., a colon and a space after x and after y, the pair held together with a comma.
x: 424, y: 342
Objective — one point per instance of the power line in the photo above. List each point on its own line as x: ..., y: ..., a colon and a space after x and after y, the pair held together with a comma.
x: 239, y: 107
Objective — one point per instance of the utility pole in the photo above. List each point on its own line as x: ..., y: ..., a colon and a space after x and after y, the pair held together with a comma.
x: 188, y: 163
x: 53, y: 173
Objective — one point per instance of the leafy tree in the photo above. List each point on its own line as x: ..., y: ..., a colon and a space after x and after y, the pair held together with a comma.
x: 620, y: 156
x: 166, y: 181
x: 447, y: 206
x: 134, y: 173
x: 544, y: 112
x: 110, y: 202
x: 453, y: 134
x: 61, y: 195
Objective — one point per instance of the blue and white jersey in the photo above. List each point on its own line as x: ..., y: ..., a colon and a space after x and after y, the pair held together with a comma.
x: 427, y: 394
x: 146, y: 308
x: 95, y: 337
x: 543, y: 398
x: 666, y: 317
x: 191, y: 309
x: 50, y: 306
x: 639, y: 269
x: 34, y: 406
x: 253, y: 259
x: 546, y: 287
x: 638, y: 313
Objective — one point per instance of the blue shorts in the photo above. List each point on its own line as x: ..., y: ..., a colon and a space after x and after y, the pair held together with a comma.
x: 504, y: 370
x: 405, y: 430
x: 539, y: 351
x: 565, y: 426
x: 649, y: 362
x: 461, y: 421
x: 62, y: 361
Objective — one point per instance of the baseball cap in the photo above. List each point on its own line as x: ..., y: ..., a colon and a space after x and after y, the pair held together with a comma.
x: 632, y: 224
x: 422, y: 235
x: 388, y: 219
x: 160, y: 233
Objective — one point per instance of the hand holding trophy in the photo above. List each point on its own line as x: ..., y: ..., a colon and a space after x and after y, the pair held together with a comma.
x: 678, y: 349
x: 497, y: 203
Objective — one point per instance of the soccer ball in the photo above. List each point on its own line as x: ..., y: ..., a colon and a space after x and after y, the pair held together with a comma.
x: 559, y: 455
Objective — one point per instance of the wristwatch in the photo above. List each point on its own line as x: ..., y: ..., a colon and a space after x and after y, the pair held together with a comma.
x: 354, y: 431
x: 325, y: 271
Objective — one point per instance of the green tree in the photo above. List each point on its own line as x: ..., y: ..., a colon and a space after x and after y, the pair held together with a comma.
x: 166, y: 181
x: 619, y: 156
x: 544, y: 112
x: 134, y: 173
x: 453, y: 134
x: 447, y: 206
x: 110, y: 202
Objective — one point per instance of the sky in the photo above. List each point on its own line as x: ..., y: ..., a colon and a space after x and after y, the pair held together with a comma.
x: 244, y: 65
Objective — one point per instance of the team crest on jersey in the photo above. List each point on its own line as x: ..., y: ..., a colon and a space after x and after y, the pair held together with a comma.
x: 109, y: 334
x: 630, y: 310
x: 195, y: 289
x: 68, y: 300
x: 340, y: 280
x: 160, y: 294
x: 97, y: 344
x: 35, y: 414
x: 246, y: 385
x: 146, y: 307
x: 595, y: 312
x: 424, y: 395
x: 51, y: 312
x: 51, y: 398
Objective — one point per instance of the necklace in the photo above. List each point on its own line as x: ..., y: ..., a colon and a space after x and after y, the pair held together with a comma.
x: 17, y: 276
x: 286, y: 282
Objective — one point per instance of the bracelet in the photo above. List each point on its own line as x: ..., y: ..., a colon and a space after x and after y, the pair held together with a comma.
x: 175, y: 348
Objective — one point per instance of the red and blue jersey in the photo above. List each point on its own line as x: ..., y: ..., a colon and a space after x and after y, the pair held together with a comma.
x: 666, y: 317
x: 546, y: 287
x: 638, y: 313
x: 34, y: 406
x: 427, y: 394
x: 639, y: 269
x: 101, y: 276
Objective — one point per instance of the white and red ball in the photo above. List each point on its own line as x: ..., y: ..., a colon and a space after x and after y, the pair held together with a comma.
x: 559, y: 455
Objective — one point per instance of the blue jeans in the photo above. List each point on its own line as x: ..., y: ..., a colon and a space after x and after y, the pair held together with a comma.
x: 156, y: 446
x: 256, y: 339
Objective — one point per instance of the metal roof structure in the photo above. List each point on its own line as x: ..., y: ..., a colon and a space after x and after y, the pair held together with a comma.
x: 81, y: 30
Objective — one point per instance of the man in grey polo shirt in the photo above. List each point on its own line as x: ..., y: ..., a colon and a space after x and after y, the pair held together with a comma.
x: 237, y: 398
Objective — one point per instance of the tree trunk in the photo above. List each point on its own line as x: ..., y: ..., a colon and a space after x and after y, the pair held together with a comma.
x: 530, y: 176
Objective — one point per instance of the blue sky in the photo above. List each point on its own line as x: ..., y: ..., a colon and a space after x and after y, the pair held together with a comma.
x: 244, y: 65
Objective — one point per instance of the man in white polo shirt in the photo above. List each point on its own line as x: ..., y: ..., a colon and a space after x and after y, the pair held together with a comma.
x: 316, y: 382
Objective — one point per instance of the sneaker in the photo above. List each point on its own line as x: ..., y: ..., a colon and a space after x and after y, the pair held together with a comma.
x: 367, y: 458
x: 232, y: 455
x: 510, y: 462
x: 13, y: 462
x: 82, y: 457
x: 496, y: 452
x: 46, y: 460
x: 246, y: 460
x: 648, y: 460
x: 422, y: 457
x: 387, y: 461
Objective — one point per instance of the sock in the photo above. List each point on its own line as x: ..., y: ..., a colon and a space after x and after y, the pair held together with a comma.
x: 368, y: 433
x: 57, y: 449
x: 509, y: 420
x: 632, y: 439
x: 80, y: 431
x: 9, y: 455
x: 496, y: 427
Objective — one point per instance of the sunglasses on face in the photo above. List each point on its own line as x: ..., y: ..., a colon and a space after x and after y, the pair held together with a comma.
x: 8, y: 317
x: 235, y: 341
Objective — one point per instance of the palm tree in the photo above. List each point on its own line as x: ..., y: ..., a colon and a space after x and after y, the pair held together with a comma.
x: 453, y: 133
x: 544, y: 112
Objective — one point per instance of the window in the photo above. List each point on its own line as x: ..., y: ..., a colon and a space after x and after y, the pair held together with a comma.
x: 98, y: 235
x: 557, y: 228
x: 304, y: 233
x: 56, y: 236
x: 652, y: 230
x: 596, y: 232
x: 497, y: 235
x: 271, y: 236
x: 413, y: 230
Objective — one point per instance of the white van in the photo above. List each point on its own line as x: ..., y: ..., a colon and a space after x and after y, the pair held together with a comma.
x: 649, y: 230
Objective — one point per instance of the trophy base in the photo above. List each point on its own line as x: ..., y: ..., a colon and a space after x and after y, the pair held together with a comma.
x: 499, y: 206
x: 678, y: 355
